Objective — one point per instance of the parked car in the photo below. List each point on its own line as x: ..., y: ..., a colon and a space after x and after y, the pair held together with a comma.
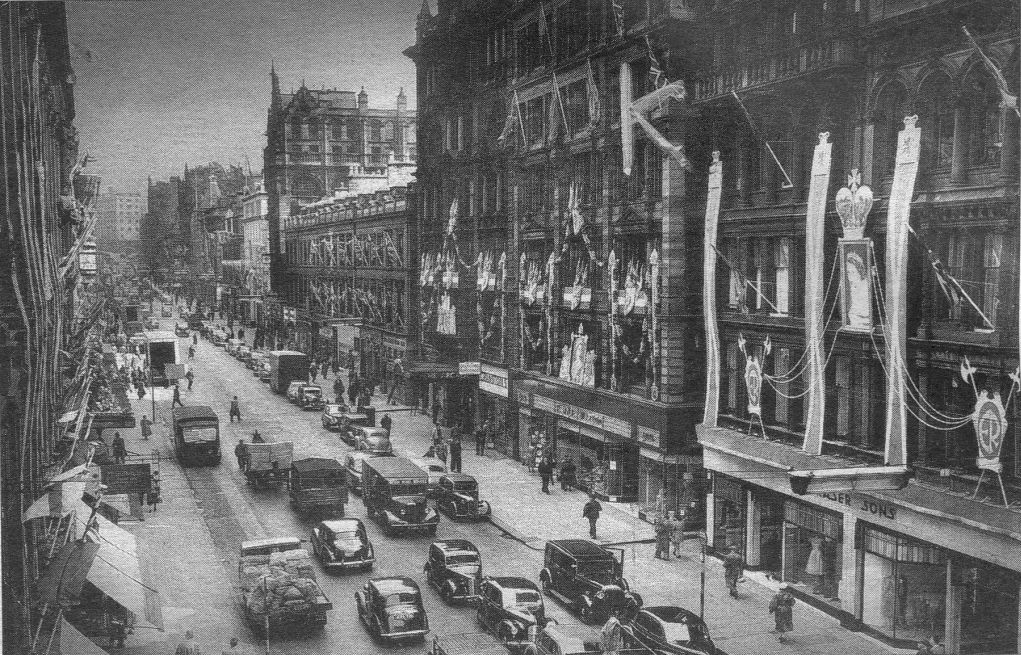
x: 182, y: 331
x: 373, y: 440
x: 349, y: 422
x: 435, y: 468
x: 510, y: 608
x: 342, y: 544
x: 293, y: 389
x: 466, y: 643
x: 668, y: 629
x: 332, y: 415
x: 254, y: 360
x: 152, y: 323
x: 565, y: 639
x: 391, y: 609
x: 232, y: 345
x: 589, y: 579
x: 310, y: 396
x: 457, y: 496
x: 219, y: 338
x: 353, y: 464
x: 264, y: 373
x: 242, y: 353
x: 454, y: 568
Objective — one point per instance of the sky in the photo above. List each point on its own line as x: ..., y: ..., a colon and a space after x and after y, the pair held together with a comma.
x: 161, y: 84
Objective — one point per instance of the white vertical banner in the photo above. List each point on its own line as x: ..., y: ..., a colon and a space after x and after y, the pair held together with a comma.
x: 899, y: 208
x: 627, y: 134
x: 712, y: 328
x: 815, y: 230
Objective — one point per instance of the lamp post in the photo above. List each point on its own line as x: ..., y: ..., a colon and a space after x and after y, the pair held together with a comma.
x: 703, y: 539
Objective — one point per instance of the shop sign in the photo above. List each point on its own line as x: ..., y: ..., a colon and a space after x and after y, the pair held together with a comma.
x: 648, y: 435
x: 863, y: 504
x: 126, y: 478
x: 494, y: 380
x: 469, y: 368
x: 583, y: 416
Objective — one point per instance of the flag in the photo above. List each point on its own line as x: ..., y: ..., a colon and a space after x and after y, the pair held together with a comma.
x: 948, y: 284
x: 508, y: 124
x: 656, y: 75
x: 1009, y: 98
x: 594, y: 109
x: 452, y: 217
x: 618, y: 16
x: 553, y: 119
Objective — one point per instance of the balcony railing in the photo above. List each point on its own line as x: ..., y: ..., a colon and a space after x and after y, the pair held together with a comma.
x: 809, y: 58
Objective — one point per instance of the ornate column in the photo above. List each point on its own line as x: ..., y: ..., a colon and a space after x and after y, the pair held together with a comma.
x: 1009, y: 150
x: 959, y: 162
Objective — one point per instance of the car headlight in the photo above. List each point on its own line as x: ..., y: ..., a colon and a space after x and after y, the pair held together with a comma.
x: 601, y: 594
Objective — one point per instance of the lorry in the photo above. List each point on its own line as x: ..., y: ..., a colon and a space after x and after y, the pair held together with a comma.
x: 318, y: 484
x: 131, y: 313
x: 162, y: 348
x: 394, y: 493
x: 278, y: 586
x: 266, y: 462
x: 196, y: 435
x: 286, y: 366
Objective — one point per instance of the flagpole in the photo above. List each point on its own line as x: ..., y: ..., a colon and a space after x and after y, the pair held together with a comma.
x: 933, y: 261
x: 789, y: 184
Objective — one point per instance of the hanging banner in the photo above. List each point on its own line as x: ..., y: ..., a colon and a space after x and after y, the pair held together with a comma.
x: 712, y: 330
x: 899, y: 208
x: 853, y: 204
x: 990, y: 421
x: 627, y: 136
x: 815, y: 230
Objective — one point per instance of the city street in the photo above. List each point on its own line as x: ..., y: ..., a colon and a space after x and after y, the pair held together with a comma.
x: 194, y: 562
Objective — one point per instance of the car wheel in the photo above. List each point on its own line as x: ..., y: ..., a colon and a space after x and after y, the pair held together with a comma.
x: 479, y: 620
x: 367, y: 567
x: 585, y: 612
x: 445, y: 594
x: 505, y: 632
x: 432, y: 530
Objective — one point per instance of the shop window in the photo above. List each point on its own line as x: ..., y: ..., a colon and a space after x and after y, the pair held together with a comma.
x: 813, y: 550
x: 904, y: 585
x: 989, y: 607
x: 729, y: 514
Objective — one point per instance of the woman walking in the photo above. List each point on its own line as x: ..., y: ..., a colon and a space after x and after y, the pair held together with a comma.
x: 782, y: 609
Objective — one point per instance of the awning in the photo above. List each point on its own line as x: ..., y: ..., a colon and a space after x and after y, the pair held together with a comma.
x: 61, y: 582
x: 73, y: 642
x: 116, y: 570
x: 60, y: 500
x: 431, y: 370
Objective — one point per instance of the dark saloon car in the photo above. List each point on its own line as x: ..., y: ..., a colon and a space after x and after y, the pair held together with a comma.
x: 182, y: 331
x: 454, y: 569
x: 556, y: 639
x: 373, y: 440
x: 668, y: 629
x: 310, y: 396
x: 590, y: 579
x: 510, y: 608
x: 457, y: 496
x: 342, y: 544
x: 391, y: 609
x: 332, y: 414
x: 349, y: 423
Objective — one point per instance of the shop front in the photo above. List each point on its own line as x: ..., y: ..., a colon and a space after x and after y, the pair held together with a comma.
x: 495, y: 409
x: 901, y: 565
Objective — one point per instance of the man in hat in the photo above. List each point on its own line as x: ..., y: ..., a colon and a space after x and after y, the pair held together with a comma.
x: 177, y: 397
x: 188, y: 646
x: 146, y: 427
x: 120, y: 451
x: 732, y: 569
x: 235, y: 410
x: 782, y: 609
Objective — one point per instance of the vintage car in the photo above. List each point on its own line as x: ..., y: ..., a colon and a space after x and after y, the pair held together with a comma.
x: 310, y: 396
x: 232, y: 345
x: 242, y: 353
x: 182, y: 331
x: 468, y: 643
x: 510, y: 608
x: 589, y: 578
x: 219, y: 337
x: 391, y: 609
x: 349, y: 422
x: 457, y: 496
x: 394, y: 495
x: 152, y: 323
x: 332, y: 414
x: 668, y: 629
x: 293, y: 390
x: 264, y: 373
x: 564, y: 639
x: 435, y: 468
x: 372, y: 440
x: 342, y: 544
x: 353, y: 463
x: 454, y: 569
x: 254, y: 361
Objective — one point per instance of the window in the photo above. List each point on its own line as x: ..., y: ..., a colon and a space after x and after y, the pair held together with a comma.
x: 337, y: 130
x: 733, y: 379
x: 992, y: 256
x: 296, y: 128
x: 580, y: 175
x: 736, y: 296
x: 984, y: 139
x: 376, y: 130
x: 575, y: 98
x: 782, y: 262
x: 313, y: 128
x: 571, y: 28
x: 535, y: 120
x: 530, y: 48
x: 936, y: 118
x: 889, y: 120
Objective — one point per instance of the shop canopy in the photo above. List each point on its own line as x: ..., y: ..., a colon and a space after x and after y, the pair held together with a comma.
x: 73, y: 642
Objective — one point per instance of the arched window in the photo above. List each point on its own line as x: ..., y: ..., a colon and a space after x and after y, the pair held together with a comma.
x: 888, y: 121
x: 376, y: 130
x: 936, y: 118
x: 982, y: 100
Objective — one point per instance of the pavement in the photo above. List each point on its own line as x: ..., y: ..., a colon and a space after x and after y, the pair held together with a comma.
x: 185, y: 522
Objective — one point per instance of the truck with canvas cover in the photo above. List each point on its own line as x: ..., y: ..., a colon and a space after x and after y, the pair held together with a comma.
x: 318, y: 484
x: 278, y: 586
x: 393, y: 490
x: 164, y: 348
x: 286, y: 366
x: 196, y: 434
x: 266, y: 463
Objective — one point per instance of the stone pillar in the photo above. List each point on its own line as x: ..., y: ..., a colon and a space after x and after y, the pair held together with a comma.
x: 952, y: 621
x: 753, y: 523
x: 848, y: 590
x: 676, y: 360
x: 1009, y: 150
x: 959, y: 162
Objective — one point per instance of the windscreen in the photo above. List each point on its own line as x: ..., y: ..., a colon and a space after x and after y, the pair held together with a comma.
x: 522, y: 597
x: 403, y: 598
x: 198, y: 435
x: 462, y: 560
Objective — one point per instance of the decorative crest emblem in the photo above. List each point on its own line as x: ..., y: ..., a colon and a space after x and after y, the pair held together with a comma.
x: 854, y: 202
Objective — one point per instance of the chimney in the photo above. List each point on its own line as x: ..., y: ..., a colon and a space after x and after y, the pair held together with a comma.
x: 363, y: 100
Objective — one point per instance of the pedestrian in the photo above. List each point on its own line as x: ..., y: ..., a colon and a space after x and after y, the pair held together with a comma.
x: 352, y: 392
x: 241, y: 333
x: 235, y: 410
x: 662, y: 538
x: 436, y: 411
x: 153, y: 496
x: 350, y: 362
x: 313, y: 372
x: 591, y: 512
x: 782, y: 609
x: 324, y: 368
x: 480, y: 441
x: 146, y: 427
x: 335, y: 365
x: 188, y: 646
x: 177, y: 397
x: 732, y: 568
x: 386, y: 422
x: 239, y: 453
x: 338, y: 390
x: 676, y: 532
x: 194, y: 338
x: 140, y: 388
x: 233, y: 648
x: 568, y: 474
x: 191, y: 352
x: 364, y: 397
x: 119, y: 450
x: 546, y: 473
x: 455, y: 453
x: 611, y: 639
x: 190, y: 375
